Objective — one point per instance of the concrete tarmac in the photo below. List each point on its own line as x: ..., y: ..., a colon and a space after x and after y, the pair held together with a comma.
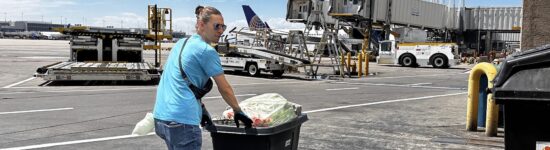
x: 397, y: 108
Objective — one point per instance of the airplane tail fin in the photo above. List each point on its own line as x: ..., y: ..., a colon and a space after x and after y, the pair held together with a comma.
x: 254, y: 22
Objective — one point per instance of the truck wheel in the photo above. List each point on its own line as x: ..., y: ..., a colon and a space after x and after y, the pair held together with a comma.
x: 408, y: 60
x: 253, y: 70
x: 440, y: 61
x: 278, y: 73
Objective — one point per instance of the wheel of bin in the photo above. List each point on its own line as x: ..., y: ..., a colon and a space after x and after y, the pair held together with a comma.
x: 440, y: 61
x: 408, y: 60
x: 278, y: 73
x: 253, y: 70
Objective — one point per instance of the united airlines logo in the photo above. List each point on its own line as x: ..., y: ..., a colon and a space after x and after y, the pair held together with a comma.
x: 257, y: 23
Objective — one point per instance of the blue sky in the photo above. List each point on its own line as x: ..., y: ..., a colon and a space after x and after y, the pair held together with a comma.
x: 132, y: 13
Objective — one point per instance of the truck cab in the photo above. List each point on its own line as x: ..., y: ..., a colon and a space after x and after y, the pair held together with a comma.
x: 413, y: 54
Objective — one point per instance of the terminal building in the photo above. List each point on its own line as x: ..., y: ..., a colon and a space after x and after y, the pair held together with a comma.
x: 28, y: 26
x: 33, y: 29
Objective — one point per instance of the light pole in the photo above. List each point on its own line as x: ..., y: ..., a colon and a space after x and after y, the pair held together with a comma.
x: 5, y: 17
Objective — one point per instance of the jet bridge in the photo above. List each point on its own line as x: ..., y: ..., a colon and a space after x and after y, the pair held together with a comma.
x: 416, y: 13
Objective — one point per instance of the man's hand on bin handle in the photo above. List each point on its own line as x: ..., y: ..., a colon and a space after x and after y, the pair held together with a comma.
x: 240, y: 116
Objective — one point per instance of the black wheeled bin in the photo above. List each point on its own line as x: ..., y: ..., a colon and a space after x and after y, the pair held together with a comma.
x: 523, y: 87
x: 225, y: 136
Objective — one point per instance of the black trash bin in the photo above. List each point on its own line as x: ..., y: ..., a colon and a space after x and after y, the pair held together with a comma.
x: 523, y: 87
x: 281, y: 137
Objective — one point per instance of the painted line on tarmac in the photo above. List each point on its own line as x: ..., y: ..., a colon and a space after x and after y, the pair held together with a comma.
x: 271, y: 83
x: 340, y: 89
x: 31, y: 111
x: 255, y: 78
x: 13, y: 93
x: 122, y: 89
x: 66, y: 91
x: 240, y: 95
x: 76, y: 142
x: 397, y: 77
x: 20, y: 82
x: 97, y: 90
x: 384, y: 102
x: 403, y: 85
x: 417, y: 84
x: 152, y: 133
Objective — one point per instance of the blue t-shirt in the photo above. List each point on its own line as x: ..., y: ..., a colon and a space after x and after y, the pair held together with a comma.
x: 175, y: 101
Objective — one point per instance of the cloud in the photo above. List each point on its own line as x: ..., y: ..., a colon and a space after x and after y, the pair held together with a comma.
x: 125, y: 19
x: 274, y: 23
x: 185, y: 24
x: 31, y: 8
x: 281, y: 23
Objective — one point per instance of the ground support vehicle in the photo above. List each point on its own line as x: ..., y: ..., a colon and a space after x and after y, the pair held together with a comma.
x: 438, y: 55
x: 256, y: 59
x: 101, y: 54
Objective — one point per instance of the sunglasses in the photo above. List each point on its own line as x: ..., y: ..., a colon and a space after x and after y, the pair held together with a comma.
x: 219, y: 26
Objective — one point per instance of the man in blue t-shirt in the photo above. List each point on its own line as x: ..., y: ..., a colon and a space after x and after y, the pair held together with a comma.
x: 177, y: 111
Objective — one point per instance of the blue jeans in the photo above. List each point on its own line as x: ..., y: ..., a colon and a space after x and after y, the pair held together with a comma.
x: 179, y: 136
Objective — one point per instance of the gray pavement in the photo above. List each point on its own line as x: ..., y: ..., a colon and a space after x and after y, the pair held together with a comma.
x: 397, y: 108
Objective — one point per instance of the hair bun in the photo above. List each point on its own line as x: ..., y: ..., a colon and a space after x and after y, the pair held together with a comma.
x: 198, y: 10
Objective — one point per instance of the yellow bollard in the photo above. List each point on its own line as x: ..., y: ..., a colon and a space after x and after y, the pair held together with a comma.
x: 342, y: 64
x: 360, y: 59
x: 491, y: 124
x: 349, y: 62
x: 353, y: 66
x: 473, y: 98
x: 366, y: 63
x: 343, y: 60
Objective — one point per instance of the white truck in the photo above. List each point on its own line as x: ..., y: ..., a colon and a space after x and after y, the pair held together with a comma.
x: 253, y: 66
x: 408, y: 47
x: 234, y: 60
x: 438, y: 55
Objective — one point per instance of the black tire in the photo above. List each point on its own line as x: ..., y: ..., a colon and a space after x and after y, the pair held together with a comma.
x: 407, y: 60
x: 440, y: 61
x: 277, y: 73
x: 252, y: 69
